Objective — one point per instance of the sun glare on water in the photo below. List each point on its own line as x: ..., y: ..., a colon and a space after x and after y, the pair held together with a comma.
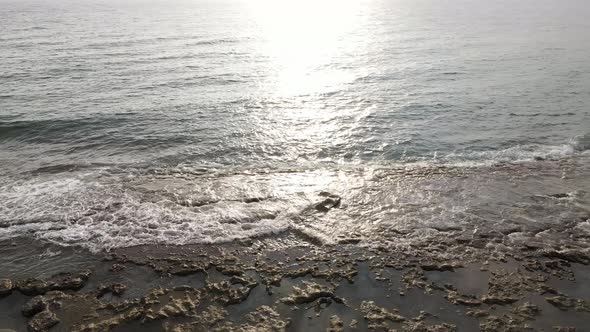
x: 306, y: 41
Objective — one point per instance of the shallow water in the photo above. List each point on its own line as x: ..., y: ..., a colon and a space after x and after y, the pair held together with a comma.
x: 207, y: 121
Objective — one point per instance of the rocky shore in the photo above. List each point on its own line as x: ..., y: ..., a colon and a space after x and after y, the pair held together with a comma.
x: 447, y: 282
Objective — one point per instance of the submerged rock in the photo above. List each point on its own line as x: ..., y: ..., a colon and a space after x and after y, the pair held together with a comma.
x: 560, y: 195
x: 186, y: 270
x: 331, y: 201
x: 438, y: 267
x: 45, y: 302
x: 498, y: 299
x: 117, y: 267
x: 34, y: 306
x: 42, y: 321
x: 5, y: 287
x: 563, y: 302
x: 349, y: 241
x: 60, y: 282
x: 115, y: 289
x: 467, y: 300
x: 527, y: 310
x: 118, y: 289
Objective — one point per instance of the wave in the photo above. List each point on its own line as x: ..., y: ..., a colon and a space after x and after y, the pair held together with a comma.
x: 81, y: 208
x: 542, y: 114
x: 515, y: 154
x: 520, y: 153
x: 214, y: 41
x: 105, y: 207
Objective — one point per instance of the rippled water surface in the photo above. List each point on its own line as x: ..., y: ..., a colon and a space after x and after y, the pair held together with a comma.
x: 128, y: 122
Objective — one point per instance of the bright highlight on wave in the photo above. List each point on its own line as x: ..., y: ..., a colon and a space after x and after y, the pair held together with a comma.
x: 305, y: 40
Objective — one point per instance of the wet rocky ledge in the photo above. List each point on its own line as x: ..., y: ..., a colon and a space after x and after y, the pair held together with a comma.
x: 447, y: 282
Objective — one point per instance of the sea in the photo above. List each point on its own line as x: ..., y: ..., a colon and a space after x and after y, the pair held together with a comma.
x: 130, y: 122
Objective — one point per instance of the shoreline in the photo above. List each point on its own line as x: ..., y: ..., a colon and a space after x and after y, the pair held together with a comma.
x: 285, y: 282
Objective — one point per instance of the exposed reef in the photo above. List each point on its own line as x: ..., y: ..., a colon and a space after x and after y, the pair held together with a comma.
x: 286, y: 283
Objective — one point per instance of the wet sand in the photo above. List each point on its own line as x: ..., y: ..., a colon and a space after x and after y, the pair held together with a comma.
x: 289, y: 283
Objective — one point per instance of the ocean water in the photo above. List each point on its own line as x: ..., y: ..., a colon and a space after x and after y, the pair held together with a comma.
x: 133, y: 122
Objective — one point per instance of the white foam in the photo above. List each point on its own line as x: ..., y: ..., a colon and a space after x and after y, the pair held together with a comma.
x: 515, y: 154
x: 101, y: 211
x: 583, y: 227
x: 73, y: 210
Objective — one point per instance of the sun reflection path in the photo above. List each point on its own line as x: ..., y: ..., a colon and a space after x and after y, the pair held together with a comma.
x: 308, y: 43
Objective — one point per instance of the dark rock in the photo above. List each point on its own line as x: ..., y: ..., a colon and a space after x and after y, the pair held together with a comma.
x: 186, y: 270
x: 349, y: 241
x: 560, y: 195
x: 33, y: 287
x: 115, y: 289
x: 331, y: 201
x: 42, y: 321
x: 118, y: 289
x: 34, y: 306
x: 50, y: 301
x: 547, y: 290
x: 246, y: 242
x: 447, y: 228
x: 438, y: 267
x: 230, y: 270
x: 60, y: 282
